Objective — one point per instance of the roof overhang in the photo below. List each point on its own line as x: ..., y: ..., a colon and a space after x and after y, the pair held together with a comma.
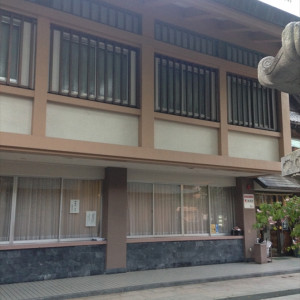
x: 278, y: 182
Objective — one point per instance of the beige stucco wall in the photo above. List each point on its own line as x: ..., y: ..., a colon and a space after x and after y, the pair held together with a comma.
x: 244, y: 145
x: 186, y: 138
x: 91, y: 125
x: 15, y: 114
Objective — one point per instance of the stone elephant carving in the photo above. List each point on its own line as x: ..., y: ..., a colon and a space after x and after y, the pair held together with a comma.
x: 283, y: 71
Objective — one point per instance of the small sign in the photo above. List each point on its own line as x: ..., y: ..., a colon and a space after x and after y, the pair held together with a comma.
x: 213, y: 228
x: 90, y: 220
x: 74, y: 206
x: 249, y: 201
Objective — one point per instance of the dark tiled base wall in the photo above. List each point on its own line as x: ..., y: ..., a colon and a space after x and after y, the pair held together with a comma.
x: 51, y: 263
x: 63, y: 262
x: 158, y: 255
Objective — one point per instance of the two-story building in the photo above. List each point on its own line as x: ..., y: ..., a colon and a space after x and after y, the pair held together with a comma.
x: 131, y: 133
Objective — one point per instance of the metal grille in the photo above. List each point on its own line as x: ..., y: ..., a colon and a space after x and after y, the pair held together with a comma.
x: 17, y: 50
x: 250, y: 104
x: 92, y: 68
x: 186, y: 89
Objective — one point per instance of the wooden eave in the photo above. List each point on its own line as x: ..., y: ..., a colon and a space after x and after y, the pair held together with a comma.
x: 223, y: 21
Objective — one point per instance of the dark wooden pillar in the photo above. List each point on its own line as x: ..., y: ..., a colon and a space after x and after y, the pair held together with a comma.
x: 115, y: 218
x: 246, y: 217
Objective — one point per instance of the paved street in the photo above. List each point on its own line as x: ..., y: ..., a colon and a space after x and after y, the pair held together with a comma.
x: 281, y: 278
x: 280, y: 287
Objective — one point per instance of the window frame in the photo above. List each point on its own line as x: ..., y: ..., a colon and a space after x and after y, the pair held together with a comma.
x: 209, y: 232
x: 250, y: 104
x: 26, y: 50
x: 198, y: 100
x: 11, y: 237
x: 105, y: 78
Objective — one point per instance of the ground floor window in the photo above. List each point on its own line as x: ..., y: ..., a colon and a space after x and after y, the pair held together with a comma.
x: 49, y: 208
x: 167, y: 209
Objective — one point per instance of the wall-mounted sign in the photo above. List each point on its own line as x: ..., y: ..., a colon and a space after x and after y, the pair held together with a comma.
x: 74, y: 206
x: 249, y: 201
x: 90, y: 220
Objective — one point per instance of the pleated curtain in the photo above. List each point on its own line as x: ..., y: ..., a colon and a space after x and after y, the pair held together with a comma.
x: 6, y: 188
x: 37, y: 209
x: 222, y: 204
x: 195, y: 210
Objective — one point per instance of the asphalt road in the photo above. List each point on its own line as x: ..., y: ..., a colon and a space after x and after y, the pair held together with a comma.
x: 280, y: 287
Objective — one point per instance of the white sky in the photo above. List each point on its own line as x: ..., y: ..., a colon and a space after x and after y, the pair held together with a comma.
x: 291, y: 6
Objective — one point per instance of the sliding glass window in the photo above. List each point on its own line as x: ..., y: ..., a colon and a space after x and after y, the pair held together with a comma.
x: 168, y: 209
x: 186, y: 89
x: 92, y: 68
x: 17, y: 50
x: 35, y: 209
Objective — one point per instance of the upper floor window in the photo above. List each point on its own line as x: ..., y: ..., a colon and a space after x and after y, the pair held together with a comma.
x: 17, y: 50
x: 250, y: 104
x: 194, y: 41
x: 185, y: 89
x: 93, y: 68
x: 98, y: 11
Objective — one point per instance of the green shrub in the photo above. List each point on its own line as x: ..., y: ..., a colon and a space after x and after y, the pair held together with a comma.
x: 276, y: 213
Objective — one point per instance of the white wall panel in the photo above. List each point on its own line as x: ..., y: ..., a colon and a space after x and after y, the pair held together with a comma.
x: 15, y: 114
x: 253, y: 146
x: 185, y: 138
x: 91, y: 125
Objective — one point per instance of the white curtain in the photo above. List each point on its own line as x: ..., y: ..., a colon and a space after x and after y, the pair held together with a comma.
x: 195, y: 209
x: 88, y: 192
x: 222, y: 212
x: 37, y: 209
x: 166, y: 209
x: 167, y: 205
x: 6, y: 187
x: 140, y: 200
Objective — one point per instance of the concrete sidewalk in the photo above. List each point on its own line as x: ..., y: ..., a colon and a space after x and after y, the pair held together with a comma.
x: 132, y: 281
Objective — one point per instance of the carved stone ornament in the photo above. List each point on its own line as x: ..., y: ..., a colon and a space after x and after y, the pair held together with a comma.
x: 290, y: 164
x: 282, y: 72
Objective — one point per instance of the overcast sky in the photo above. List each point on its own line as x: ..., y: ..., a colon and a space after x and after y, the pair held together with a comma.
x: 291, y: 6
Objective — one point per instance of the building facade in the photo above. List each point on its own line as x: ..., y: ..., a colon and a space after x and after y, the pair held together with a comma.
x: 131, y: 133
